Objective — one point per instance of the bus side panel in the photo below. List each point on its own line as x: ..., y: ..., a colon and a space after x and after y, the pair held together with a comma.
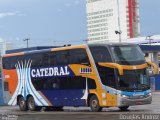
x: 11, y: 79
x: 65, y: 97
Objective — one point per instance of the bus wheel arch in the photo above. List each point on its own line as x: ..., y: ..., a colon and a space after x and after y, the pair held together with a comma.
x: 22, y: 103
x: 93, y: 102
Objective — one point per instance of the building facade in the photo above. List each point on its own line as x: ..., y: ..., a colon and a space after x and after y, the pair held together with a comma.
x: 112, y: 20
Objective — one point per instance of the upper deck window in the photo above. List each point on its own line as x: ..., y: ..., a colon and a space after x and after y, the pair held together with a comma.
x: 129, y: 55
x: 100, y: 54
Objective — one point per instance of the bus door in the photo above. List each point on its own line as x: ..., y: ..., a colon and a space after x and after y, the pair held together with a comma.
x: 108, y: 79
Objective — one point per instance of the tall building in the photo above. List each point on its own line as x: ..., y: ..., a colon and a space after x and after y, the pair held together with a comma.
x: 112, y: 20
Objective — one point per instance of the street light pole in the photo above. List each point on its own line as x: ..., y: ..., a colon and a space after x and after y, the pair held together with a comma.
x: 119, y: 24
x: 86, y: 40
x: 27, y: 39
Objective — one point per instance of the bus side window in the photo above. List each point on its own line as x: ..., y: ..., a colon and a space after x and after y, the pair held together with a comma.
x: 100, y: 54
x: 5, y: 63
x: 76, y: 83
x: 91, y: 84
x: 107, y: 76
x: 79, y: 56
x: 48, y: 59
x: 10, y: 62
x: 36, y: 57
x: 5, y: 86
x: 62, y: 57
x: 52, y: 59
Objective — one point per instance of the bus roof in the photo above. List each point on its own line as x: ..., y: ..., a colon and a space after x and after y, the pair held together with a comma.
x: 110, y: 44
x: 29, y: 49
x: 16, y: 52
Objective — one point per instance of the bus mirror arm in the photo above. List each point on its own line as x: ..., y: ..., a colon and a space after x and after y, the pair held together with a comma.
x: 113, y: 65
x: 155, y: 68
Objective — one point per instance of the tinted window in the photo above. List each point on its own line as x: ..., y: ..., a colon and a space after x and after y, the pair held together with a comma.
x: 100, y: 54
x: 36, y: 59
x: 79, y: 56
x: 10, y: 62
x: 5, y: 86
x: 62, y: 57
x: 48, y: 58
x: 128, y: 55
x: 42, y: 59
x: 74, y: 82
x: 107, y: 76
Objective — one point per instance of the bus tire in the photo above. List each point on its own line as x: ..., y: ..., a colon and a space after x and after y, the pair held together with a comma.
x: 31, y: 104
x: 124, y: 108
x: 22, y: 104
x: 94, y: 104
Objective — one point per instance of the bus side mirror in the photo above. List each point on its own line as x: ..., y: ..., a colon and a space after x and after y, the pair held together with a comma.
x: 155, y: 68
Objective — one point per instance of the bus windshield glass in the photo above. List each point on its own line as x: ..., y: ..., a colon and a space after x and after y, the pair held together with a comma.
x: 133, y: 80
x: 128, y: 55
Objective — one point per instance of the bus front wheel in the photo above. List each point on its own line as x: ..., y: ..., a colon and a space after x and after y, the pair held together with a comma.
x: 22, y: 104
x: 31, y: 104
x: 94, y: 104
x: 124, y: 108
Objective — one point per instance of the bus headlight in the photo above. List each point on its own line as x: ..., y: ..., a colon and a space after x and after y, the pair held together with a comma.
x: 124, y: 96
x: 149, y: 94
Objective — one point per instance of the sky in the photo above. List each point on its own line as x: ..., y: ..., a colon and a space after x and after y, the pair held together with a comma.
x: 59, y: 22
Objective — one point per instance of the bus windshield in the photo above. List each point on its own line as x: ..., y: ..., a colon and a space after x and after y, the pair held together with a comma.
x: 128, y: 55
x: 133, y: 80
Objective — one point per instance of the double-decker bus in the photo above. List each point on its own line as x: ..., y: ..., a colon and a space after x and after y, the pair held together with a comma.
x: 95, y: 75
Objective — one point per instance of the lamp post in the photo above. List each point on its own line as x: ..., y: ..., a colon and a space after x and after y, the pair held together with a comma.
x: 119, y: 33
x: 119, y: 24
x: 86, y: 41
x: 27, y: 39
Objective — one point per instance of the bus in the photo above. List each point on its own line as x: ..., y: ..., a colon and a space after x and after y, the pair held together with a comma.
x: 91, y: 75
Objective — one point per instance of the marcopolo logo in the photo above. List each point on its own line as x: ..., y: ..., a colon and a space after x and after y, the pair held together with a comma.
x: 50, y: 71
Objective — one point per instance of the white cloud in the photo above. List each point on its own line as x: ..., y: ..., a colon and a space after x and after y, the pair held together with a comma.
x: 6, y: 14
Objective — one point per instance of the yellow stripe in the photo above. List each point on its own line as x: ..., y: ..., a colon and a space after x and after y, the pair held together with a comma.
x: 156, y: 71
x: 124, y: 67
x: 14, y: 54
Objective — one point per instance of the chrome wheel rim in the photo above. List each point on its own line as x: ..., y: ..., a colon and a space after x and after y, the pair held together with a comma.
x: 31, y: 104
x: 94, y: 103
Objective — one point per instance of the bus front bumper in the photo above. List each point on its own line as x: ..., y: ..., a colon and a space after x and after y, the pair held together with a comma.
x: 127, y: 101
